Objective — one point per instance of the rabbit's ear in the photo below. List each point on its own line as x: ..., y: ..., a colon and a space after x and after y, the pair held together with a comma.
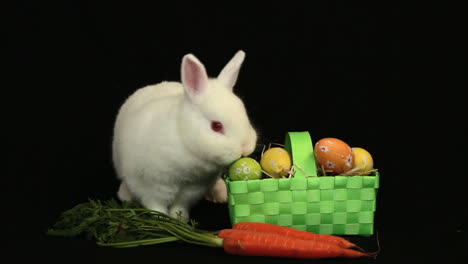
x: 194, y: 77
x: 230, y: 72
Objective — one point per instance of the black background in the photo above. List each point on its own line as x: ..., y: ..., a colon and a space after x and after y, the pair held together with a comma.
x: 386, y: 78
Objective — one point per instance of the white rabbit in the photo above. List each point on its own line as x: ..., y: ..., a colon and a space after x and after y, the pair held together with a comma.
x: 172, y: 140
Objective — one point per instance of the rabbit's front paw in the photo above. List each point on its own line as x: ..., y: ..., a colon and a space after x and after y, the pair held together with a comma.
x: 179, y: 212
x: 217, y: 193
x: 124, y: 194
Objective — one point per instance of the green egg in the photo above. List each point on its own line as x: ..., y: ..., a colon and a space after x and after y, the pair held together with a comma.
x: 245, y: 169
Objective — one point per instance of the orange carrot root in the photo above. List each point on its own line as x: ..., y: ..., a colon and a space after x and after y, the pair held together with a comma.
x: 294, y: 233
x: 252, y: 243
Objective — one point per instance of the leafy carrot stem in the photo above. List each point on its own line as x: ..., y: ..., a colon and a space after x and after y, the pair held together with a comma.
x: 137, y: 243
x: 124, y: 225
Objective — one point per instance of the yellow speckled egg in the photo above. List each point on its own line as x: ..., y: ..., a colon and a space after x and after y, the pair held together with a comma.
x: 363, y: 159
x: 276, y: 162
x: 334, y: 155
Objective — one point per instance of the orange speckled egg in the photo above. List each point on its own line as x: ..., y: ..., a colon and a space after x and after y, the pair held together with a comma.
x: 334, y: 155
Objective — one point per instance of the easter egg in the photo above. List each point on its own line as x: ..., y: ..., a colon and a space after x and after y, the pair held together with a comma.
x: 334, y: 155
x: 362, y: 159
x: 245, y: 169
x: 276, y: 162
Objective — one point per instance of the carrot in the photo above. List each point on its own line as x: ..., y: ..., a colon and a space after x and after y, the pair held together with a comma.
x: 107, y: 221
x: 294, y: 233
x: 252, y: 243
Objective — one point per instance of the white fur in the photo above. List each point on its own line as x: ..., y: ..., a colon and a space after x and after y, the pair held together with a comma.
x: 164, y: 149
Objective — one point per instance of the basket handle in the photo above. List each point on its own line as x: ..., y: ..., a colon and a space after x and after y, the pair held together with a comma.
x: 299, y: 144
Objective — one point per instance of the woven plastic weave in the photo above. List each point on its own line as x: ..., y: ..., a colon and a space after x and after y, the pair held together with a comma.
x: 326, y: 205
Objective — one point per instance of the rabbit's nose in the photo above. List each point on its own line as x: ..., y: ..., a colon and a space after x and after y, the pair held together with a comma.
x: 249, y: 143
x: 246, y: 150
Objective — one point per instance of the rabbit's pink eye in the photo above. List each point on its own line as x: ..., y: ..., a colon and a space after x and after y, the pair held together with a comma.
x: 217, y: 127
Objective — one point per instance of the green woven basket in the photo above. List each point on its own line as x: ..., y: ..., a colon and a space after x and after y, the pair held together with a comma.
x: 340, y: 205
